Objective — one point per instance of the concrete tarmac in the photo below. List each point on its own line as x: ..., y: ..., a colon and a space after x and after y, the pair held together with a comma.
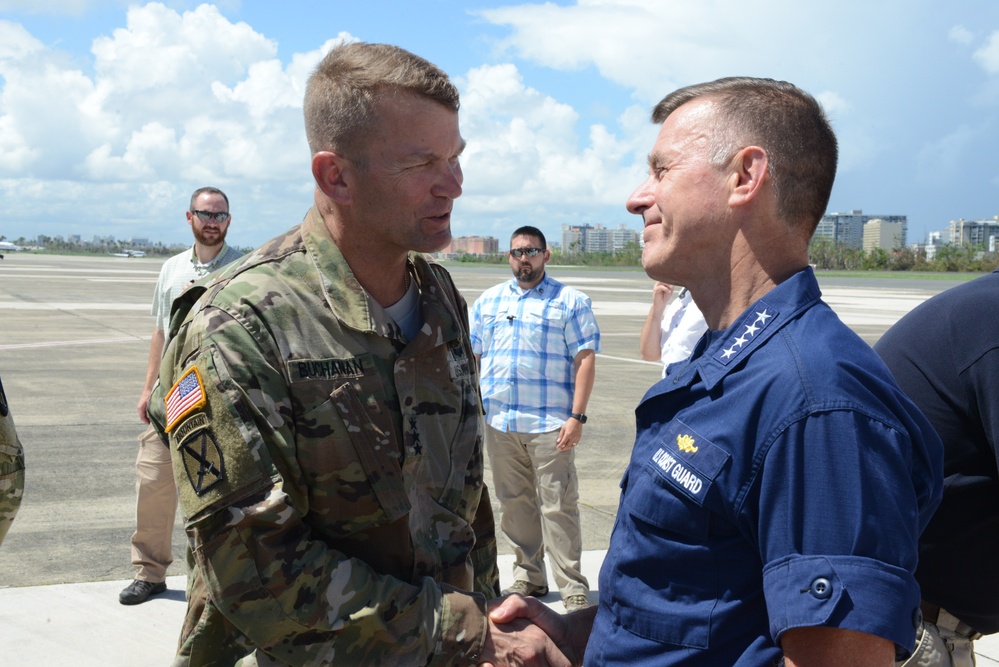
x: 74, y: 343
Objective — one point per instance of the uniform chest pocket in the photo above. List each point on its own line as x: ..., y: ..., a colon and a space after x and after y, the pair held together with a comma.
x: 664, y: 534
x: 352, y: 464
x: 677, y: 479
x: 652, y: 500
x: 669, y: 573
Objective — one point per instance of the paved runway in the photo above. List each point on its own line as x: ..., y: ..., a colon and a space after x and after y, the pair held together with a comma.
x: 83, y: 625
x: 74, y: 340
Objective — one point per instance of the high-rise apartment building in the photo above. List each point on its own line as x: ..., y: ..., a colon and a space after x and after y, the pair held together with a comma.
x: 884, y: 235
x: 472, y: 245
x: 574, y: 237
x: 622, y: 237
x: 589, y: 238
x: 848, y: 228
x: 975, y: 232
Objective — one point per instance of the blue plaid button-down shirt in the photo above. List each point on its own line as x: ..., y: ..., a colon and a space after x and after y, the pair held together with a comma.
x: 527, y: 340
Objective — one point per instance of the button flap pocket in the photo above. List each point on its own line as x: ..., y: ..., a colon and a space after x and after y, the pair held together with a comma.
x: 383, y: 468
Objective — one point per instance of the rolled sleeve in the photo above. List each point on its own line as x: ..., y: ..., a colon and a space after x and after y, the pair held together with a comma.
x: 840, y: 516
x: 581, y: 329
x: 847, y: 592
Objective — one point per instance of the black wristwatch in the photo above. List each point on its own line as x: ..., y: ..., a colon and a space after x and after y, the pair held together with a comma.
x: 577, y: 415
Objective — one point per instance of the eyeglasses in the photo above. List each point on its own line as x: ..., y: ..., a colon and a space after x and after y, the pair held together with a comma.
x: 205, y: 216
x: 517, y: 253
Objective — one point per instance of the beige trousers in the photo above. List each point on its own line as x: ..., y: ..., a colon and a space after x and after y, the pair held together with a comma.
x: 538, y: 492
x: 155, y: 509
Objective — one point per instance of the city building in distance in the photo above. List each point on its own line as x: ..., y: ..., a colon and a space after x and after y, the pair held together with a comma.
x: 848, y: 229
x: 471, y: 245
x: 589, y: 238
x: 975, y: 232
x: 879, y: 234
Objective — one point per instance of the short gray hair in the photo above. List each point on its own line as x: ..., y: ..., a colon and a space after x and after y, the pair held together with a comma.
x: 786, y: 122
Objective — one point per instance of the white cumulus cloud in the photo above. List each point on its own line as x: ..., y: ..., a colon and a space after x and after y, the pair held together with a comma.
x: 174, y: 95
x: 171, y: 101
x: 988, y: 55
x: 525, y: 156
x: 960, y: 35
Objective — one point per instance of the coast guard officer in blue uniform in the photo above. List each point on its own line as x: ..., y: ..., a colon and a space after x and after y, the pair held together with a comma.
x: 779, y: 479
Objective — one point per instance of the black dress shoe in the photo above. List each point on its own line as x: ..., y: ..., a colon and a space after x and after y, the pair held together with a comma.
x: 139, y: 591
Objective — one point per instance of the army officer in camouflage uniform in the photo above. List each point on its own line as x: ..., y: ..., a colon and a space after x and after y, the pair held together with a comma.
x: 321, y: 405
x: 11, y: 467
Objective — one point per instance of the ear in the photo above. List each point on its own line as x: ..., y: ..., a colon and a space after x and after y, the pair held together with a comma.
x: 749, y: 173
x: 328, y: 168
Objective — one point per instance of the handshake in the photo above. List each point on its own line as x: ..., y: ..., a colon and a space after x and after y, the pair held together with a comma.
x: 523, y: 631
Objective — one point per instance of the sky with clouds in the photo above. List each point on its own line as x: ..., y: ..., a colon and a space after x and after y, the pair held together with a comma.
x: 112, y: 113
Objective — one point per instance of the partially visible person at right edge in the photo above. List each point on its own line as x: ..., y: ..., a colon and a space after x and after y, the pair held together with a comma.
x: 11, y: 467
x: 779, y: 481
x: 945, y: 355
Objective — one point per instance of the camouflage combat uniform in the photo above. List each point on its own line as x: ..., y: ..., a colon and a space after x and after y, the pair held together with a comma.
x: 11, y: 468
x: 330, y: 473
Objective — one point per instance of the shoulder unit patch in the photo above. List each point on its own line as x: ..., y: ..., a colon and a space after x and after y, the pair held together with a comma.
x: 201, y: 454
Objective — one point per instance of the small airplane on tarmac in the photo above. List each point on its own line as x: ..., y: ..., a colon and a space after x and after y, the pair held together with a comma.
x: 7, y: 246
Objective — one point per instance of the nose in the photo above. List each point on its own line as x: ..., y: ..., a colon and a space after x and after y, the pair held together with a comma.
x: 449, y: 183
x: 642, y: 198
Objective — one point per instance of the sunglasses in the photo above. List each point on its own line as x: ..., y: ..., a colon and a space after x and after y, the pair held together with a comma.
x: 517, y: 253
x: 205, y: 216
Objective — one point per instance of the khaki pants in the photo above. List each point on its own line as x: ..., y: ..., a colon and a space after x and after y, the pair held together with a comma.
x: 944, y: 644
x: 155, y: 509
x: 538, y: 493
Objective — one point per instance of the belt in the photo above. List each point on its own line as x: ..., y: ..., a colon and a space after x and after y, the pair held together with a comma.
x: 942, y: 618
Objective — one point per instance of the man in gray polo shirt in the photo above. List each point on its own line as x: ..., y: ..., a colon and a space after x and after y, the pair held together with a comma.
x: 156, y: 492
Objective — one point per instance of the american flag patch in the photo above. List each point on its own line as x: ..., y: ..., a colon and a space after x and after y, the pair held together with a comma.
x: 186, y: 396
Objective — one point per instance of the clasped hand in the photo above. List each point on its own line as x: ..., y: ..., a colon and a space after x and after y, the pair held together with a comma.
x: 523, y: 631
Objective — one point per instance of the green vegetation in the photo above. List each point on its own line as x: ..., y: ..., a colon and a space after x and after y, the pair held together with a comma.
x: 823, y: 253
x: 828, y: 255
x: 630, y: 256
x: 60, y: 246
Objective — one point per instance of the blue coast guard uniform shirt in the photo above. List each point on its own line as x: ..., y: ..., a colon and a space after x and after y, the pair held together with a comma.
x: 778, y: 480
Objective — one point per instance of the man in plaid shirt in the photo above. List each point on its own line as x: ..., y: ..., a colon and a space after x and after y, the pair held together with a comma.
x: 536, y: 341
